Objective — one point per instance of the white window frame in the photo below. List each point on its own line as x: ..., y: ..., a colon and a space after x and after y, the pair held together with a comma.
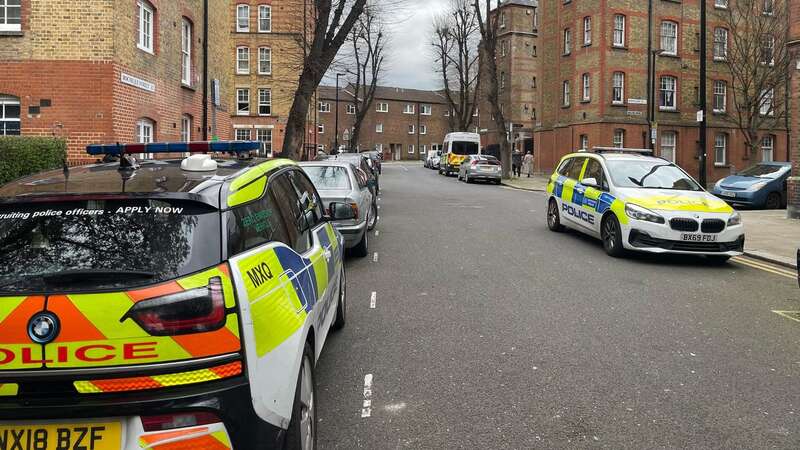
x: 768, y: 148
x: 565, y: 94
x: 721, y: 4
x: 771, y: 40
x: 425, y: 110
x: 242, y: 60
x: 586, y: 88
x: 379, y: 127
x: 264, y: 135
x: 584, y: 142
x: 618, y: 39
x: 666, y: 137
x: 147, y: 17
x: 324, y: 107
x: 502, y: 20
x: 769, y: 8
x: 240, y: 28
x: 411, y: 129
x: 408, y: 108
x: 186, y: 52
x: 350, y: 109
x: 720, y: 89
x: 587, y: 30
x: 265, y: 61
x: 4, y: 25
x: 240, y: 134
x: 665, y: 93
x: 423, y: 129
x: 618, y: 140
x: 618, y: 88
x: 382, y: 107
x: 411, y: 149
x: 720, y: 143
x: 502, y: 80
x: 241, y: 100
x: 567, y: 42
x: 186, y: 128
x: 262, y: 17
x: 145, y: 131
x: 5, y: 101
x: 669, y: 38
x: 265, y: 100
x: 766, y: 105
x: 321, y: 128
x: 720, y: 46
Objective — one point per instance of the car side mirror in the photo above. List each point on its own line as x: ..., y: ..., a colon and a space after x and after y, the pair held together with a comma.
x: 341, y: 211
x: 590, y: 182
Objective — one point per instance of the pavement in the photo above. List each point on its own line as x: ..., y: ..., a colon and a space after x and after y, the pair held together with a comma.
x: 471, y: 325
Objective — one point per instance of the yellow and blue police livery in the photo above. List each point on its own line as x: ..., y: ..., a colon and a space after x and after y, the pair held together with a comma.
x: 166, y: 303
x: 634, y: 201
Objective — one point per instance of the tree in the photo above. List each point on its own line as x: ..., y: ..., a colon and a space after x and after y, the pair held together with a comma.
x: 759, y: 64
x: 333, y: 23
x: 455, y: 45
x: 368, y: 41
x: 488, y: 63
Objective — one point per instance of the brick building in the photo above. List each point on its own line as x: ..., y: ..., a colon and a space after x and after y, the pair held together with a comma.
x: 97, y: 71
x: 267, y: 45
x: 793, y: 209
x: 588, y: 86
x: 402, y: 123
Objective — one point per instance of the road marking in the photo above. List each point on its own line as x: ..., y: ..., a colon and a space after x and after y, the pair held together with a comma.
x: 791, y: 315
x: 373, y: 299
x: 366, y: 408
x: 764, y: 266
x: 375, y: 257
x: 377, y: 232
x: 377, y: 219
x: 404, y: 168
x: 379, y: 206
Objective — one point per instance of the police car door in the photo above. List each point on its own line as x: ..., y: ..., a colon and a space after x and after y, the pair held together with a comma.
x: 590, y: 203
x: 572, y: 193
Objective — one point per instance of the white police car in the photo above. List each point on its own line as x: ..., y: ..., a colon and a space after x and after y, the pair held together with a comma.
x: 633, y: 201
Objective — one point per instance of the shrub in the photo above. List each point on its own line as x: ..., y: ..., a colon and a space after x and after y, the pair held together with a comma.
x: 25, y: 155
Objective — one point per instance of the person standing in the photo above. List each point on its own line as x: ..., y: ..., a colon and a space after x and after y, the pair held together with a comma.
x: 527, y: 164
x: 516, y: 163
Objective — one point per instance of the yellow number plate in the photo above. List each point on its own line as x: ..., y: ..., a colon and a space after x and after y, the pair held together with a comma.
x: 88, y: 436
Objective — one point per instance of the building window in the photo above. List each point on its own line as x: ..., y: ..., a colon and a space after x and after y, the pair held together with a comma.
x: 619, y: 30
x: 769, y: 8
x: 567, y: 42
x: 423, y: 129
x: 587, y: 92
x: 668, y: 89
x: 765, y: 105
x: 382, y: 107
x: 502, y: 20
x: 379, y: 128
x: 619, y: 138
x: 324, y: 107
x: 146, y: 21
x: 768, y: 49
x: 503, y: 48
x: 242, y: 60
x: 264, y: 136
x: 668, y: 143
x: 145, y: 129
x: 410, y: 149
x: 720, y: 103
x: 264, y: 102
x: 723, y: 4
x: 587, y: 31
x: 425, y: 110
x: 669, y: 38
x: 502, y: 80
x: 720, y: 44
x: 264, y: 61
x: 411, y: 129
x: 9, y: 116
x: 768, y: 148
x: 351, y: 108
x: 243, y: 102
x: 264, y: 18
x: 186, y: 128
x: 720, y: 149
x: 186, y: 52
x: 618, y: 88
x: 10, y: 15
x: 584, y: 143
x: 242, y: 18
x: 242, y: 134
x: 321, y: 129
x: 408, y: 109
x: 565, y: 93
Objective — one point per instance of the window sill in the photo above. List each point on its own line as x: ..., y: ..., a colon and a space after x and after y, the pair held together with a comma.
x: 619, y: 47
x: 722, y: 165
x: 566, y: 54
x: 265, y: 74
x: 721, y: 60
x: 241, y: 114
x: 719, y: 113
x: 669, y: 110
x: 265, y: 31
x: 243, y: 31
x: 586, y: 44
x: 12, y: 33
x: 586, y: 101
x: 565, y: 106
x: 188, y: 87
x: 265, y: 115
x: 146, y: 50
x: 670, y: 55
x: 242, y: 73
x: 622, y: 104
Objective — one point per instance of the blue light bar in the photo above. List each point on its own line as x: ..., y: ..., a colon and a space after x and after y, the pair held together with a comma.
x: 174, y: 147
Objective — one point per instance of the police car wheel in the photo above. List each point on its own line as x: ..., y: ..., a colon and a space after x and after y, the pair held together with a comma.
x: 341, y: 307
x: 302, y: 432
x: 612, y: 236
x: 553, y: 218
x: 362, y: 248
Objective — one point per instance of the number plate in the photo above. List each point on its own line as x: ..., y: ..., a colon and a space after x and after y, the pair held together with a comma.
x: 89, y: 436
x: 698, y: 237
x: 729, y: 194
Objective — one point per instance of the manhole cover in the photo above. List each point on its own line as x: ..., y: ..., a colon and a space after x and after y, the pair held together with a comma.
x: 791, y: 315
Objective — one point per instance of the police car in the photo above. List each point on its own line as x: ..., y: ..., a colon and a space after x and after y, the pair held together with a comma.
x: 166, y: 304
x: 634, y: 201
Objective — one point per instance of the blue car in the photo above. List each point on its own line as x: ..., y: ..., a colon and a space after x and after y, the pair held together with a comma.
x: 760, y: 186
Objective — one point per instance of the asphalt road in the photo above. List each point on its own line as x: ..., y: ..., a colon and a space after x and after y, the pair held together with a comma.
x: 489, y: 331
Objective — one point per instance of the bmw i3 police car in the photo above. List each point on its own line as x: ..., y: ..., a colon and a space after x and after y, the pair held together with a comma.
x: 633, y: 201
x: 165, y: 304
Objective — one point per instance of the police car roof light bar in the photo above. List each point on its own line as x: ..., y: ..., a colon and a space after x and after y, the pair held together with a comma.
x: 174, y: 147
x: 640, y: 151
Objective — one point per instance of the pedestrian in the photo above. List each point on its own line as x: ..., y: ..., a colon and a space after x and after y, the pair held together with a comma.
x: 527, y: 164
x: 516, y: 163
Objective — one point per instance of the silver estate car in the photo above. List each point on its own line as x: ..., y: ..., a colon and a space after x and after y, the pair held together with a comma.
x: 341, y: 181
x: 480, y: 167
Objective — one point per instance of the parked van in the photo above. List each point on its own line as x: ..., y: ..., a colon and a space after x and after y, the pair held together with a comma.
x: 457, y: 147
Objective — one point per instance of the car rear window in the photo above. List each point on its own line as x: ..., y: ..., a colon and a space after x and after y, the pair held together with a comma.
x: 328, y: 177
x: 132, y: 241
x: 464, y: 148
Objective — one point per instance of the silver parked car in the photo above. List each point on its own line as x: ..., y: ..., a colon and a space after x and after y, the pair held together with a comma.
x: 480, y: 167
x: 341, y: 181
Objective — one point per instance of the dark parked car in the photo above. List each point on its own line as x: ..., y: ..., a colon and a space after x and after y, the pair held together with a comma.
x: 376, y: 157
x: 759, y: 186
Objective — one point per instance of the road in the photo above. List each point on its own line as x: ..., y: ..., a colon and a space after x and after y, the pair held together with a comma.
x: 489, y: 331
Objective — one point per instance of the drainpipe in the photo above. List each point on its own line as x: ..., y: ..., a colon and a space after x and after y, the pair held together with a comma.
x: 205, y: 70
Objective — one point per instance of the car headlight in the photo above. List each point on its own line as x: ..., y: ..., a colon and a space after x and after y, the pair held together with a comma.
x: 639, y: 213
x: 718, y: 184
x: 734, y: 219
x: 757, y: 186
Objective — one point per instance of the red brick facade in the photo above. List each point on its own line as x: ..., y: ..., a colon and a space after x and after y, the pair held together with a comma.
x: 793, y: 209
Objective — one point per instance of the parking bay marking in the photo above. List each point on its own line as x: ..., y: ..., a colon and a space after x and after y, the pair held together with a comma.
x: 764, y: 266
x: 375, y: 257
x: 366, y: 406
x: 373, y: 300
x: 377, y: 232
x: 791, y: 315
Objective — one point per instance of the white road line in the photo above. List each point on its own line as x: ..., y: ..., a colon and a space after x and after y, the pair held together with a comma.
x: 404, y: 168
x: 377, y: 218
x: 377, y: 232
x: 375, y: 257
x: 379, y: 206
x: 366, y: 407
x: 373, y: 299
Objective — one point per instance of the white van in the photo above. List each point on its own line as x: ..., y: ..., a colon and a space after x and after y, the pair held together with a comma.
x: 457, y: 147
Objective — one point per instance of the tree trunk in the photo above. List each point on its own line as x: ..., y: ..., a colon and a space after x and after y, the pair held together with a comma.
x: 296, y: 123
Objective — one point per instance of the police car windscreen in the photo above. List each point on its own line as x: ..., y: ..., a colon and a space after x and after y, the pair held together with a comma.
x: 650, y: 175
x: 104, y: 243
x: 328, y: 177
x: 464, y: 148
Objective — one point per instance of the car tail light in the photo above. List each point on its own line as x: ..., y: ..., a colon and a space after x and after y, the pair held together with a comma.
x: 182, y: 420
x: 192, y: 311
x: 354, y: 207
x: 474, y: 163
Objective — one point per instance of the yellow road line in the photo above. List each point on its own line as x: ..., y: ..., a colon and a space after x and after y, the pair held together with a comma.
x: 786, y: 314
x: 764, y: 266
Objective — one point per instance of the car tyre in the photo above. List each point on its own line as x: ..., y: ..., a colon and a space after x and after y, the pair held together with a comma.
x: 553, y: 217
x: 718, y: 260
x: 302, y: 432
x: 773, y: 201
x: 373, y: 217
x: 362, y: 248
x: 341, y: 307
x: 466, y: 178
x: 611, y: 233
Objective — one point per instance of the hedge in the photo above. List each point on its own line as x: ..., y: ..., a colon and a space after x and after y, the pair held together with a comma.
x: 23, y: 155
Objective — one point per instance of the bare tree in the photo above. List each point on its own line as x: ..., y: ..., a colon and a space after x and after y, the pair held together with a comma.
x: 759, y: 64
x: 333, y: 23
x: 455, y: 45
x: 368, y: 41
x: 488, y: 62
